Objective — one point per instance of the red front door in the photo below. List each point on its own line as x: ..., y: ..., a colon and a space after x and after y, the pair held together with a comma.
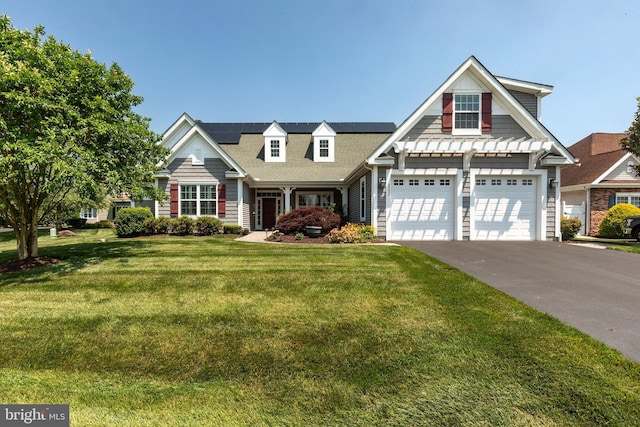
x: 268, y: 213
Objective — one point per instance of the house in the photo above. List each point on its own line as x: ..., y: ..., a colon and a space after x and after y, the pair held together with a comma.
x: 604, y: 176
x: 472, y: 162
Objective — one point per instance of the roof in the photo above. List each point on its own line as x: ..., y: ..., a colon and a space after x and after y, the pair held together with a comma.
x: 596, y: 153
x: 244, y: 143
x: 230, y: 133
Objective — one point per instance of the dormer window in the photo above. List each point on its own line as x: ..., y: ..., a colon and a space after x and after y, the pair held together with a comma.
x: 467, y: 112
x: 324, y: 143
x: 275, y: 143
x: 275, y: 148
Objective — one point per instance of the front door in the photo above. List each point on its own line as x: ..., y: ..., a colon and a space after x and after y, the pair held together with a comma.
x: 268, y: 212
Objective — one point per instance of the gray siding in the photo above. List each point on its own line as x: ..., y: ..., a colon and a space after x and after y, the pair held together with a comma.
x: 551, y: 206
x: 382, y: 204
x: 433, y: 162
x: 528, y: 101
x: 354, y: 200
x: 513, y: 161
x: 181, y: 170
x: 151, y: 204
x: 431, y: 127
x: 248, y: 202
x: 164, y: 209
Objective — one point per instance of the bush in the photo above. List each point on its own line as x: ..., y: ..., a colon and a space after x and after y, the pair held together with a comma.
x: 208, y: 225
x: 569, y: 227
x: 614, y: 222
x: 129, y: 222
x: 297, y: 220
x: 182, y: 226
x: 232, y: 229
x: 76, y: 222
x: 105, y: 223
x: 352, y: 233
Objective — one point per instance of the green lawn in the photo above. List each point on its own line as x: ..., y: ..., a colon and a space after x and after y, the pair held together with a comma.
x: 626, y: 247
x: 210, y: 331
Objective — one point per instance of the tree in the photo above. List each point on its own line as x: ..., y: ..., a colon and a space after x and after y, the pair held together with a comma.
x: 631, y: 142
x: 67, y: 126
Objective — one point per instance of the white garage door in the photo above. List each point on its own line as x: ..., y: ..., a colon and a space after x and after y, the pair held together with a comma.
x: 422, y: 208
x: 505, y: 208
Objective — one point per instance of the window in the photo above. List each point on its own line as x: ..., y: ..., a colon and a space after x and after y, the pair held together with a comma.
x: 199, y: 199
x: 631, y: 198
x: 275, y: 148
x: 527, y: 182
x: 398, y: 182
x: 512, y: 182
x: 324, y: 148
x: 429, y: 182
x: 414, y: 182
x: 481, y: 181
x: 89, y: 213
x: 467, y: 112
x: 324, y: 199
x: 496, y: 182
x: 445, y: 182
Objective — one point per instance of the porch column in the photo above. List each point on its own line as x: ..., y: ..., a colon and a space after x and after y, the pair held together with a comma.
x: 374, y: 197
x: 344, y: 191
x: 287, y: 197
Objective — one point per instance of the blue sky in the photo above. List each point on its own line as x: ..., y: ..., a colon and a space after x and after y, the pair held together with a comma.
x: 342, y: 60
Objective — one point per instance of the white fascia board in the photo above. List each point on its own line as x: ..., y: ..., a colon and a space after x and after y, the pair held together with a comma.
x: 538, y: 89
x: 612, y: 168
x: 274, y: 130
x: 223, y: 155
x: 516, y: 110
x: 324, y: 129
x: 184, y: 117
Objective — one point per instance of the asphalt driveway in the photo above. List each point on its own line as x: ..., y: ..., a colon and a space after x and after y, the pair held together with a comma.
x: 594, y: 290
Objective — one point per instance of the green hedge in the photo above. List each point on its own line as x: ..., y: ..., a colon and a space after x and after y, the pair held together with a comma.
x: 130, y: 222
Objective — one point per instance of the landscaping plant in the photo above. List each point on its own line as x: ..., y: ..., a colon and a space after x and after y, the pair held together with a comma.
x: 130, y: 222
x: 613, y: 223
x: 569, y: 227
x: 298, y: 219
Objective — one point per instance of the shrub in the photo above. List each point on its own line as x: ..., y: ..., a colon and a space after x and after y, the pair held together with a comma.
x: 352, y: 233
x: 182, y: 226
x: 232, y: 229
x: 162, y: 225
x: 208, y: 225
x: 569, y: 227
x: 129, y: 222
x: 76, y: 222
x: 614, y: 222
x: 105, y: 223
x: 298, y: 219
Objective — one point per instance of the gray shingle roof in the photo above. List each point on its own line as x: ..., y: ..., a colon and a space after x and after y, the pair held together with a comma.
x: 245, y: 144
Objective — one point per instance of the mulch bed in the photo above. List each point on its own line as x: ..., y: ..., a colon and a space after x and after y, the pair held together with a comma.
x: 308, y: 240
x: 27, y: 264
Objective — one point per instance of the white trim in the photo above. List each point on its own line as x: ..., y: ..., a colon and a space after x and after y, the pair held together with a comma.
x: 612, y: 168
x: 240, y: 202
x: 198, y: 199
x: 324, y: 132
x: 466, y: 131
x: 375, y: 211
x: 457, y: 145
x: 500, y: 95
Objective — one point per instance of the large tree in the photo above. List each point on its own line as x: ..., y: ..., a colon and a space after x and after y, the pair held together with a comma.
x: 631, y: 142
x: 67, y: 126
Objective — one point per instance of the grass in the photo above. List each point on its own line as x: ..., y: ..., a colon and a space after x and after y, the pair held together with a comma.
x: 210, y: 331
x: 626, y: 247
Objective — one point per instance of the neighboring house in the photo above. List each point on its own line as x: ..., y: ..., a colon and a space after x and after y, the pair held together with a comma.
x: 93, y: 215
x: 604, y: 176
x: 472, y: 162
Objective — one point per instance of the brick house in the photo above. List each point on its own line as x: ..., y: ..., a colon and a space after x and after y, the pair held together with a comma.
x: 604, y: 176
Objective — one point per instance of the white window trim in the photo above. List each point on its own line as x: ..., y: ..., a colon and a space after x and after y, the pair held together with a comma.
x: 314, y: 193
x: 467, y: 131
x: 363, y: 198
x: 89, y: 213
x: 198, y: 199
x: 628, y: 196
x: 331, y: 149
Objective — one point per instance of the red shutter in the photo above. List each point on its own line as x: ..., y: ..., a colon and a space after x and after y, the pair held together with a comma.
x: 447, y: 112
x: 222, y: 200
x: 486, y: 112
x: 173, y: 192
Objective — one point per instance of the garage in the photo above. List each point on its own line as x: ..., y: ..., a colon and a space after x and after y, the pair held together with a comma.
x: 504, y: 208
x: 422, y: 208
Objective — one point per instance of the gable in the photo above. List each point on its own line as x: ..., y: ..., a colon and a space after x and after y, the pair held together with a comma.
x: 623, y: 170
x: 516, y: 122
x: 195, y: 146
